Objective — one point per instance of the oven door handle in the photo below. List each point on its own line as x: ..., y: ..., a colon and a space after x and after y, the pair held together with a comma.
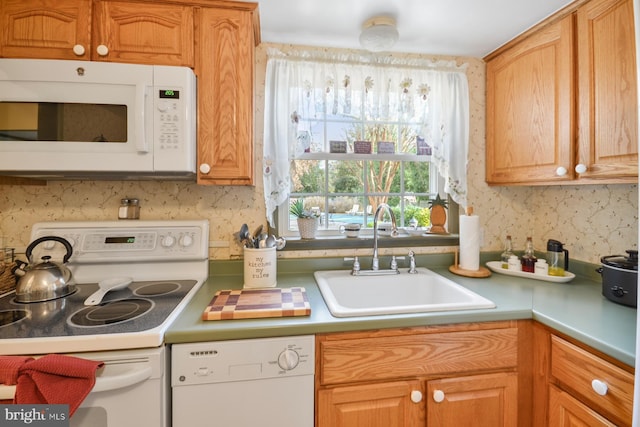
x: 7, y: 392
x: 115, y: 382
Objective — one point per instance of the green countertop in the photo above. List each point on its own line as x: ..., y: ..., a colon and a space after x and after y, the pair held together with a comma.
x: 576, y: 308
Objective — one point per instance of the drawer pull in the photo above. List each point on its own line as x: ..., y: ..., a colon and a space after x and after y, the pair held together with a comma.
x: 600, y: 387
x: 438, y: 396
x: 416, y: 396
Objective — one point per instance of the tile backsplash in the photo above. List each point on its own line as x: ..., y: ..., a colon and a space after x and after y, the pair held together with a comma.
x: 592, y: 220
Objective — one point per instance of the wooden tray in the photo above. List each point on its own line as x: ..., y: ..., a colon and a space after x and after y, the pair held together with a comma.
x: 257, y: 303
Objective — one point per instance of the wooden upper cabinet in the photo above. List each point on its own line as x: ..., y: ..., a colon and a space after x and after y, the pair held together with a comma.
x: 540, y: 130
x: 48, y: 29
x: 608, y: 100
x: 529, y: 108
x: 143, y: 33
x: 225, y: 70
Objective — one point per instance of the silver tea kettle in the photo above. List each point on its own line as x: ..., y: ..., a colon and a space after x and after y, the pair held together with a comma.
x: 46, y: 280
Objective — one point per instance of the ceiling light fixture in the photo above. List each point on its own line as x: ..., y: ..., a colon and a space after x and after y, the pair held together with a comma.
x: 379, y: 34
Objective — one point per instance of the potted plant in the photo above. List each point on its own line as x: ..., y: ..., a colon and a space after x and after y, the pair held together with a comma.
x: 438, y: 214
x: 307, y: 220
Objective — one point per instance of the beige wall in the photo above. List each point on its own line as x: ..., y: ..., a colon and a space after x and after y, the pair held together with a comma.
x: 592, y: 220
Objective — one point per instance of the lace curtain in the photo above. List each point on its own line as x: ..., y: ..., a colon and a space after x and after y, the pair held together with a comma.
x: 432, y: 96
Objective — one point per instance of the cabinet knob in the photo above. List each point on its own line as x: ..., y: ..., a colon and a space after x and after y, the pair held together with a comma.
x: 205, y: 168
x: 416, y: 396
x: 102, y: 50
x: 599, y: 387
x: 580, y: 168
x: 561, y: 171
x: 438, y: 396
x: 78, y: 50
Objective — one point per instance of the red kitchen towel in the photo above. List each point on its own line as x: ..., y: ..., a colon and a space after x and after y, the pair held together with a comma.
x: 10, y: 368
x: 54, y: 379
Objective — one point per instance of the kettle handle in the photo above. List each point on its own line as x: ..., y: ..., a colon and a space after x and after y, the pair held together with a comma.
x: 36, y: 242
x: 566, y: 259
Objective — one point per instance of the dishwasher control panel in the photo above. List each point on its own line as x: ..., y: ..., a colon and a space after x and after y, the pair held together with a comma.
x: 242, y: 360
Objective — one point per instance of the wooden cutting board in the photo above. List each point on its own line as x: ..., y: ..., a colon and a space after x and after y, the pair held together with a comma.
x: 256, y: 303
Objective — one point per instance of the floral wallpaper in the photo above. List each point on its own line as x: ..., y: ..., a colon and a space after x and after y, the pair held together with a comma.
x: 592, y: 220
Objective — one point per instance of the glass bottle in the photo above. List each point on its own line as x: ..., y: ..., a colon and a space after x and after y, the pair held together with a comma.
x: 528, y: 258
x: 508, y: 251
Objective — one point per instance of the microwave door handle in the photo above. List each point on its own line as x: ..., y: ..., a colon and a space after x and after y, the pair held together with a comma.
x: 141, y: 136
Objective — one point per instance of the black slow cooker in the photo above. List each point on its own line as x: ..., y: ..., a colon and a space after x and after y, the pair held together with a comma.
x: 620, y: 278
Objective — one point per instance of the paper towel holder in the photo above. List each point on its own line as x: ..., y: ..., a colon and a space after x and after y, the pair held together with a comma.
x: 455, y: 268
x: 480, y: 272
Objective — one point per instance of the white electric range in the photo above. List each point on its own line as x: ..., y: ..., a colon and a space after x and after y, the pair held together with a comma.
x: 167, y: 262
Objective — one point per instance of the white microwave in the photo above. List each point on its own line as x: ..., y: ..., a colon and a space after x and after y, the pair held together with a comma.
x: 97, y: 120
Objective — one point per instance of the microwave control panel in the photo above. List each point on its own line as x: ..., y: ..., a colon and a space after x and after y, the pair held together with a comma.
x: 174, y: 99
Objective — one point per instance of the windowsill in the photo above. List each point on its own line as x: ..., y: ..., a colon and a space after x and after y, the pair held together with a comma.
x: 297, y: 244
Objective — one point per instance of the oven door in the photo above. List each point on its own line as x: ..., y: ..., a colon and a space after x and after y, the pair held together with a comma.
x: 130, y: 391
x: 75, y: 116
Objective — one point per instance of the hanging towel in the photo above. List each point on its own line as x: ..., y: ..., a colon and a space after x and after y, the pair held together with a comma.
x: 53, y: 379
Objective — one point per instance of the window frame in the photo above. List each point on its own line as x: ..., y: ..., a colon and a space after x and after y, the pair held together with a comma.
x: 436, y: 186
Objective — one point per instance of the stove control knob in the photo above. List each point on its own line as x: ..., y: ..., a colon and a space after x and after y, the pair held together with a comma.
x: 168, y: 241
x: 288, y: 359
x: 186, y: 241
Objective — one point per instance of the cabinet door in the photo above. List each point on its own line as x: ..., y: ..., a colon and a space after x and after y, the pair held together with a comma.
x: 372, y: 405
x: 143, y: 33
x: 607, y: 91
x: 530, y: 123
x: 225, y: 96
x: 565, y: 411
x: 48, y: 29
x: 482, y: 401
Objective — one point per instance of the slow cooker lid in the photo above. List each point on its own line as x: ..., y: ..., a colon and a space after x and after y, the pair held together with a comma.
x: 629, y: 262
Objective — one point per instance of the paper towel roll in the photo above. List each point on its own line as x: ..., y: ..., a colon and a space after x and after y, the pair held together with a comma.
x: 470, y: 242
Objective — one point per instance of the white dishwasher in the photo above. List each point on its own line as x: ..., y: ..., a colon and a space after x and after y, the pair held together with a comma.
x: 244, y: 383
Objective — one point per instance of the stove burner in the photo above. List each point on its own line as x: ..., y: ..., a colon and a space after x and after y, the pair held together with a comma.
x: 157, y: 289
x: 112, y: 312
x: 9, y: 317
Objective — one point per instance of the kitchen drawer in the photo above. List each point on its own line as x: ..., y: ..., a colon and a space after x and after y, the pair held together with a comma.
x: 417, y: 354
x: 574, y: 369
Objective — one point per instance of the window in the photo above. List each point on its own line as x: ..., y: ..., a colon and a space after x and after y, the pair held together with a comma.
x: 345, y: 188
x: 345, y: 134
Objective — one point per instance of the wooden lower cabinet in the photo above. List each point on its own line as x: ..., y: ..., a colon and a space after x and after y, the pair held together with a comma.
x: 575, y: 385
x: 450, y: 375
x: 480, y: 400
x: 567, y: 411
x: 385, y: 405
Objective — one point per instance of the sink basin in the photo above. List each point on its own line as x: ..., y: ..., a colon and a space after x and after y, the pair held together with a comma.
x: 425, y: 291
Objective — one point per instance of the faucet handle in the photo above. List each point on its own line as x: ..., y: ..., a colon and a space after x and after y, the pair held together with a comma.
x: 412, y: 263
x: 394, y: 262
x: 356, y: 265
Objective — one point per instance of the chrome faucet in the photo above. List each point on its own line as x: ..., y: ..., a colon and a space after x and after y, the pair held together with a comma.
x: 375, y: 265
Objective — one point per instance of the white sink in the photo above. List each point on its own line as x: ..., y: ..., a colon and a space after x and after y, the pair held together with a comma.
x: 425, y: 291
